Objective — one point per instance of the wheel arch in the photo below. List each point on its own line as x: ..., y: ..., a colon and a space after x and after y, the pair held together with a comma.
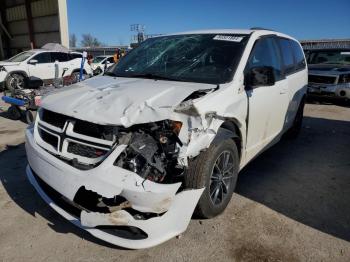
x: 21, y: 72
x: 234, y: 132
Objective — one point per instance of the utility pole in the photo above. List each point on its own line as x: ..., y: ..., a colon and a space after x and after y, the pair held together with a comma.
x: 140, y: 30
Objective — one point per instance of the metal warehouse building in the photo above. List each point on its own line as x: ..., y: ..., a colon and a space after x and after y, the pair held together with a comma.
x: 325, y: 43
x: 26, y: 24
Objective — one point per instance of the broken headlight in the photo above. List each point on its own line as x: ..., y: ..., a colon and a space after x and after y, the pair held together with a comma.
x: 152, y: 149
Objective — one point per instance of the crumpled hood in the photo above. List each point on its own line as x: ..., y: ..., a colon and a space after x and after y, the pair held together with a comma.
x: 7, y: 63
x: 329, y: 69
x: 121, y: 101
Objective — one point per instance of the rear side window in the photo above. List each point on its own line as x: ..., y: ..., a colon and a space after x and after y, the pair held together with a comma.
x: 60, y: 57
x: 265, y: 53
x: 287, y: 55
x: 298, y: 55
x: 74, y: 56
x: 43, y: 58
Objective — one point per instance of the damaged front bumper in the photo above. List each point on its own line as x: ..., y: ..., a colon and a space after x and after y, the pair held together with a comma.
x: 171, y: 211
x: 341, y: 91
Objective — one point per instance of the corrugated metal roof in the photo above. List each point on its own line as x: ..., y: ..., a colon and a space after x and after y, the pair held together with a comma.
x: 325, y: 43
x: 44, y: 7
x: 16, y: 13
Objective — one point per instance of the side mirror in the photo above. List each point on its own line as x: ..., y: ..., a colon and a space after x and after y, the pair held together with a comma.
x: 260, y: 76
x: 33, y: 61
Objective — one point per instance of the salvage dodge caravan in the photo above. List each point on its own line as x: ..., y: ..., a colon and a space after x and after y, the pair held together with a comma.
x: 131, y: 154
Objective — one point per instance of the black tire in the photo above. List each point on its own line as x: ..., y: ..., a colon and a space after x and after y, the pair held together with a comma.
x: 294, y: 131
x: 75, y: 77
x: 14, y: 113
x: 29, y: 117
x: 201, y: 172
x: 15, y: 81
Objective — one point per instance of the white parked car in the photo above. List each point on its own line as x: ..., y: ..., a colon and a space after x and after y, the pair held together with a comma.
x: 101, y: 63
x: 130, y: 155
x: 39, y: 63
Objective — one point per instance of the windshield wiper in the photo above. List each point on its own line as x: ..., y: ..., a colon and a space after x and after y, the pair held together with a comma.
x: 153, y: 76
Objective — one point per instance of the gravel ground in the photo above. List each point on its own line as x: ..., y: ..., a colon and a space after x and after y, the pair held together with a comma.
x: 292, y: 204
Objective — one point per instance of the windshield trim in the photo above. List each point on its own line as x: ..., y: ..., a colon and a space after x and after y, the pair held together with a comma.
x: 220, y: 77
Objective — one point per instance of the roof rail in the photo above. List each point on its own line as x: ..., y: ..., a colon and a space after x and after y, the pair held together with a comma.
x: 261, y: 28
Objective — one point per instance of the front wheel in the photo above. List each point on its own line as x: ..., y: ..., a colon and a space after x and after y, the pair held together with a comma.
x: 216, y: 169
x: 14, y: 82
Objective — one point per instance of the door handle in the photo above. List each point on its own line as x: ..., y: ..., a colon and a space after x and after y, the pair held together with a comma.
x: 283, y: 90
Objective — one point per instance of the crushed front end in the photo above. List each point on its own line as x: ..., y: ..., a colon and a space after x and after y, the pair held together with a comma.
x: 122, y: 185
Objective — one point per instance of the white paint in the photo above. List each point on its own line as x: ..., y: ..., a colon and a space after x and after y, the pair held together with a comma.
x: 106, y: 100
x: 44, y: 71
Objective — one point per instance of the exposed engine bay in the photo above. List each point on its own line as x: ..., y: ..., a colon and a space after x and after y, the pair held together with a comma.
x: 152, y: 149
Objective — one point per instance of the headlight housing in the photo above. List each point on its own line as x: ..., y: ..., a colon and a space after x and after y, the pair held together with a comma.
x: 344, y: 79
x: 2, y: 68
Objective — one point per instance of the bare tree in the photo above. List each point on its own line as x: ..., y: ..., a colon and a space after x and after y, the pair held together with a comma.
x: 72, y: 40
x: 89, y: 40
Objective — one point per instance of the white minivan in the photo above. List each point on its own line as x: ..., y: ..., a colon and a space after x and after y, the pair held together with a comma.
x: 131, y: 154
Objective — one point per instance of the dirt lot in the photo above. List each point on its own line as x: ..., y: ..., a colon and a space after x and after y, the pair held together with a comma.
x: 292, y: 204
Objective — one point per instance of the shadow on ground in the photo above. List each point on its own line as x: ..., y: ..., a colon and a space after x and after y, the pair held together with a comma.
x: 306, y: 179
x: 328, y: 101
x: 12, y: 165
x: 23, y: 119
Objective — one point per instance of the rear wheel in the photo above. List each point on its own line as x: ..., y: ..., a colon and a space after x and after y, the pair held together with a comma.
x: 14, y: 82
x: 216, y: 169
x: 75, y: 77
x: 98, y: 71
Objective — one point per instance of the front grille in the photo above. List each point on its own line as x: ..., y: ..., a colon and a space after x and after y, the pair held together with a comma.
x: 52, y: 118
x: 94, y: 130
x: 85, y: 151
x: 48, y: 138
x: 74, y: 139
x: 319, y: 79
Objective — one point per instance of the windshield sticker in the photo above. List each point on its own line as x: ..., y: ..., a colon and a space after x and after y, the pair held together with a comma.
x: 230, y: 38
x: 345, y: 53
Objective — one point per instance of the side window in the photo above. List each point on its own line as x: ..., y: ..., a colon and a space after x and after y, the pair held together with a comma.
x: 110, y: 59
x: 287, y: 55
x: 265, y: 53
x: 298, y: 55
x: 43, y: 58
x: 74, y: 56
x: 61, y: 57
